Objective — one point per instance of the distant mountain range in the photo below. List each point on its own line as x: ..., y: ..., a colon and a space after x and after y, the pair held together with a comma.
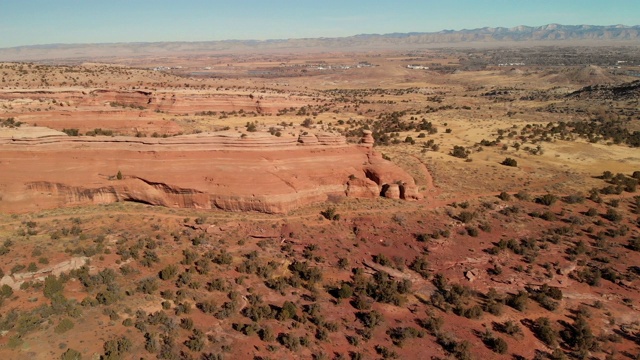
x: 527, y: 33
x: 552, y: 33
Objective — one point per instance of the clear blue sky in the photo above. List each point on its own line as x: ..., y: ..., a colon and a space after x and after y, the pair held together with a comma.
x: 31, y: 22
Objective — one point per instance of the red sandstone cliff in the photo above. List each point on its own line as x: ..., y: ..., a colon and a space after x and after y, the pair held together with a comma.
x: 259, y: 172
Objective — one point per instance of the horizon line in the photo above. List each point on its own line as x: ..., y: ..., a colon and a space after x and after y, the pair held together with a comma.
x: 307, y: 38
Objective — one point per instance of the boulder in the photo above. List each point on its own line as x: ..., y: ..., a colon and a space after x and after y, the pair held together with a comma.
x: 471, y: 275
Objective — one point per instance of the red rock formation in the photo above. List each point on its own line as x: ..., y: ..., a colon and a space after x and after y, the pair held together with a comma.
x: 367, y: 138
x: 362, y: 188
x: 257, y: 172
x: 391, y: 191
x: 385, y: 172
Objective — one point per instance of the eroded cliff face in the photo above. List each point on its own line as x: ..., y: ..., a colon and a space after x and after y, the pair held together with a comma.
x: 260, y: 173
x: 394, y: 182
x: 161, y: 194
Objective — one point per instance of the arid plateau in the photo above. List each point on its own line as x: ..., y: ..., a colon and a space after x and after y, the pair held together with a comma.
x: 321, y: 202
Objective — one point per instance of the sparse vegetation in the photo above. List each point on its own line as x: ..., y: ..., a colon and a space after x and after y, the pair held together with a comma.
x: 476, y: 262
x: 509, y: 162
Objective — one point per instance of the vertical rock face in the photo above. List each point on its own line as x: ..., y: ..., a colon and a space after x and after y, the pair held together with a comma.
x: 362, y: 188
x: 410, y: 192
x: 394, y: 182
x: 258, y: 172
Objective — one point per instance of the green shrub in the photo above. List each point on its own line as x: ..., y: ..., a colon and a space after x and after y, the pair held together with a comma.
x: 589, y: 275
x: 370, y: 319
x: 421, y: 266
x: 460, y: 152
x: 382, y: 260
x: 5, y: 291
x: 543, y: 330
x: 613, y: 215
x: 16, y: 268
x: 510, y: 328
x: 496, y: 344
x: 385, y: 352
x: 207, y: 307
x: 196, y: 341
x: 345, y: 291
x: 399, y: 334
x: 52, y: 286
x: 472, y: 231
x: 547, y: 199
x: 116, y: 348
x: 509, y: 162
x: 330, y: 214
x: 71, y: 132
x: 591, y: 212
x: 71, y: 354
x: 386, y: 290
x: 251, y: 127
x: 148, y: 285
x: 518, y: 301
x: 289, y: 341
x: 63, y: 326
x: 523, y: 195
x: 474, y: 312
x: 266, y: 334
x: 466, y: 216
x: 287, y: 311
x: 432, y: 324
x: 574, y: 199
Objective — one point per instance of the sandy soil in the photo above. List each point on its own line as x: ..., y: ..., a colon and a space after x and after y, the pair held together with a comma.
x: 188, y: 128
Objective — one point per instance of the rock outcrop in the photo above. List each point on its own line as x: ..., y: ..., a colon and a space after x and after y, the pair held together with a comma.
x: 173, y: 103
x: 15, y: 280
x: 367, y: 138
x: 228, y: 171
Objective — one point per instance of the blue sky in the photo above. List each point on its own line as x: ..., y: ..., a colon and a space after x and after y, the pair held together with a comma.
x: 31, y: 22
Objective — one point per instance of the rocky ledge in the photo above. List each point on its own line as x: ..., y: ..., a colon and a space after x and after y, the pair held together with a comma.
x: 228, y: 171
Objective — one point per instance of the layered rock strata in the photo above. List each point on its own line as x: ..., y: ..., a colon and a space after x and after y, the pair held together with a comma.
x: 169, y: 102
x: 228, y: 171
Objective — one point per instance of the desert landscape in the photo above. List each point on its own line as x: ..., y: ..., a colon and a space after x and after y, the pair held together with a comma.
x: 351, y: 199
